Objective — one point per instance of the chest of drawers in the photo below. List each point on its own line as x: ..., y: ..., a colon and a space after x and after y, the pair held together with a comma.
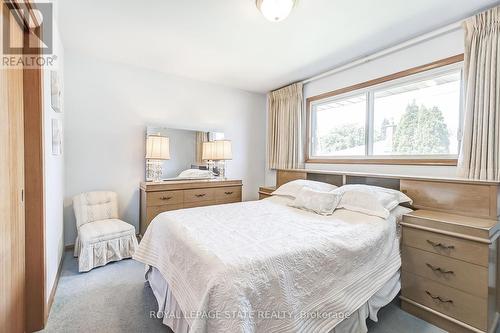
x: 449, y: 271
x: 165, y: 196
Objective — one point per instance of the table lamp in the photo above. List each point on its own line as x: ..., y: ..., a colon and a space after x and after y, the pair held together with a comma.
x: 218, y: 151
x: 157, y: 150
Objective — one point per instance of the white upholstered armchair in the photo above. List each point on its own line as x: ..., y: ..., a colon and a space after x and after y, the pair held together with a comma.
x: 102, y: 237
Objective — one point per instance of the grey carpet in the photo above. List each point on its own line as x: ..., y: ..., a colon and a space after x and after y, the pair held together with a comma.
x: 114, y: 299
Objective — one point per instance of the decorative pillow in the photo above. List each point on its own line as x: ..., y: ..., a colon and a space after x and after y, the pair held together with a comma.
x: 375, y: 190
x: 292, y: 189
x: 196, y: 173
x: 319, y: 202
x: 368, y: 203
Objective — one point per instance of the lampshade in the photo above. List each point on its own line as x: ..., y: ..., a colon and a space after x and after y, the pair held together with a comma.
x: 157, y: 147
x: 275, y: 10
x: 217, y: 150
x: 207, y: 151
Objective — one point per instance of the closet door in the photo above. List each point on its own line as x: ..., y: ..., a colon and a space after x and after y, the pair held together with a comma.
x: 12, y: 225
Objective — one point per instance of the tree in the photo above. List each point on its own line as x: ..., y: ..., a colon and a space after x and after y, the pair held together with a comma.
x: 340, y: 138
x: 421, y: 130
x: 381, y: 133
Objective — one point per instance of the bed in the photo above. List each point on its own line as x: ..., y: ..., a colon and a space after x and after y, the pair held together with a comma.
x: 263, y: 266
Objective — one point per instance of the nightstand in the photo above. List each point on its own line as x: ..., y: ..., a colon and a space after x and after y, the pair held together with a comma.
x: 265, y: 191
x: 449, y: 270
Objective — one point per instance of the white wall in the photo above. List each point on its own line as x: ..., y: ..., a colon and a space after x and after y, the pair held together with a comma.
x: 108, y: 106
x: 54, y: 175
x: 444, y: 46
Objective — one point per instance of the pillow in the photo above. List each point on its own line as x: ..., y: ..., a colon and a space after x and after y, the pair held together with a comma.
x: 376, y: 190
x: 292, y: 189
x: 196, y: 173
x: 379, y: 204
x: 319, y: 202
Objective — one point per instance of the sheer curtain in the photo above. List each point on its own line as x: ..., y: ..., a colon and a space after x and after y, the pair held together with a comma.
x: 285, y: 127
x: 480, y: 152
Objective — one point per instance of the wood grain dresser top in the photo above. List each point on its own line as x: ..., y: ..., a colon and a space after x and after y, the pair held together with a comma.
x: 467, y: 225
x: 189, y: 184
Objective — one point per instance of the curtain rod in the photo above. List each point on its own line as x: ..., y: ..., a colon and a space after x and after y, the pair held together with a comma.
x: 393, y: 49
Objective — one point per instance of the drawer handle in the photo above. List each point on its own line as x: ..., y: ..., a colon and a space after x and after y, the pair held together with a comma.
x: 439, y: 269
x: 200, y: 195
x: 439, y: 298
x: 165, y: 198
x: 228, y: 193
x: 441, y: 245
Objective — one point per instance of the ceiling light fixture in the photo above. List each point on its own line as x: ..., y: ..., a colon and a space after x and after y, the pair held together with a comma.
x: 275, y: 10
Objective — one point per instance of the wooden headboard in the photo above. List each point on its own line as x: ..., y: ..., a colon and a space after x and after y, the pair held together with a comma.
x: 456, y: 196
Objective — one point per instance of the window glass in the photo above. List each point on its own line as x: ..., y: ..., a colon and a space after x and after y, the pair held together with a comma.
x: 339, y: 127
x: 418, y: 118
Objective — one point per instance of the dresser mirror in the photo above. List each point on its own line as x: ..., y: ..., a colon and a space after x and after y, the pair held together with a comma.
x: 177, y: 154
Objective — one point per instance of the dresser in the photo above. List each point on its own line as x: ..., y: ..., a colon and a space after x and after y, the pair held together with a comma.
x: 449, y: 271
x: 171, y: 195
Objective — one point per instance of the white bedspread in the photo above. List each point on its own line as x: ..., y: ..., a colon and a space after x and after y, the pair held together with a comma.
x: 262, y: 266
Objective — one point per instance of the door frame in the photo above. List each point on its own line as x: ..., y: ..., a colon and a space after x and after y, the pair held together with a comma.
x: 36, y: 307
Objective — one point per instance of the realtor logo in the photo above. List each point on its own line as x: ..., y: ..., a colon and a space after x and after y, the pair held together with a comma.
x: 38, y: 21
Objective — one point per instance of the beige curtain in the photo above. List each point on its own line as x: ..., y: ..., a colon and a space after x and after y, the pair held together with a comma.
x: 480, y: 152
x: 285, y: 124
x: 200, y: 138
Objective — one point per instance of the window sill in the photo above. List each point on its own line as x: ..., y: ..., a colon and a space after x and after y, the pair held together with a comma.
x: 391, y: 161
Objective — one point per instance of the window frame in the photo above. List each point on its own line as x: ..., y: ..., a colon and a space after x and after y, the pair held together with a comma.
x: 370, y: 88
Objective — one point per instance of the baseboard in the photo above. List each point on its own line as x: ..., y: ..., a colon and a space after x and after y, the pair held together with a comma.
x: 53, y: 291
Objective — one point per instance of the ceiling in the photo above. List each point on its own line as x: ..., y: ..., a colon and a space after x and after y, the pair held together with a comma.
x: 229, y: 42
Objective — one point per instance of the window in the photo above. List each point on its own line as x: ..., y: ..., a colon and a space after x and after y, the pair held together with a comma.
x: 413, y: 117
x: 340, y: 127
